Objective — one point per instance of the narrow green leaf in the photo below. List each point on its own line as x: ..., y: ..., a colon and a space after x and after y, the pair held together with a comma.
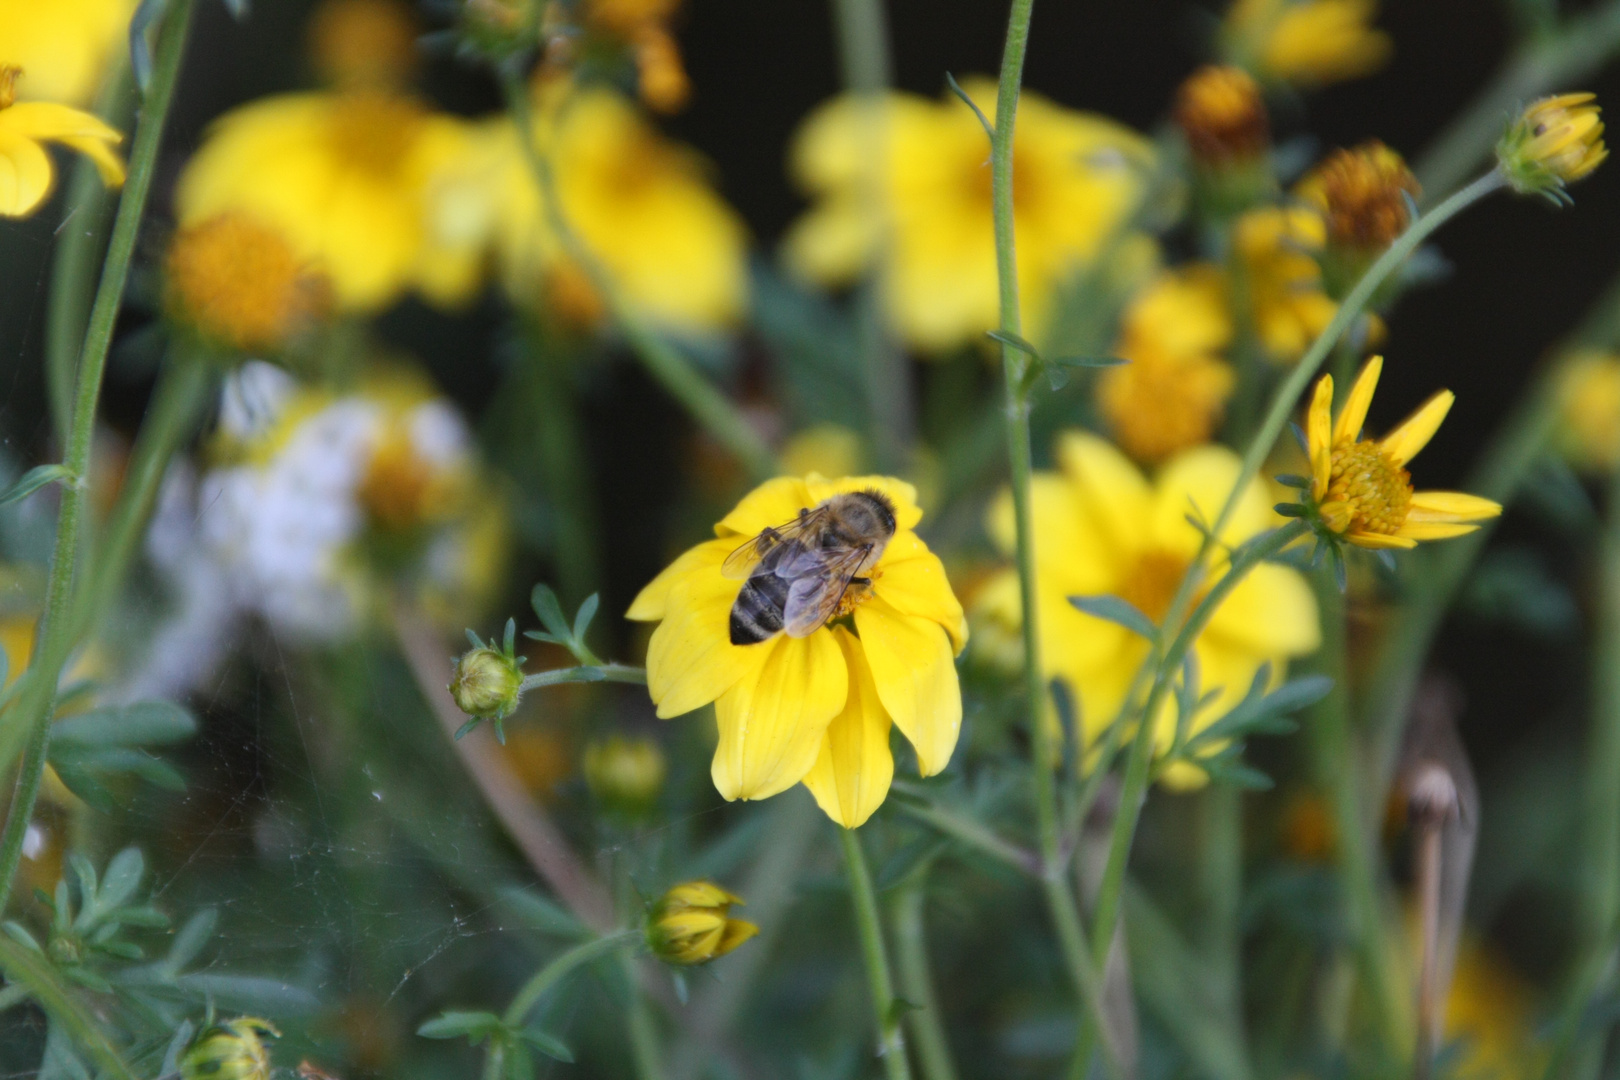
x: 474, y: 1026
x: 1086, y: 361
x: 549, y: 611
x: 984, y: 121
x: 144, y: 723
x: 1118, y: 611
x: 122, y: 878
x: 30, y: 969
x: 582, y: 618
x: 32, y: 480
x: 548, y: 1045
x: 1013, y: 341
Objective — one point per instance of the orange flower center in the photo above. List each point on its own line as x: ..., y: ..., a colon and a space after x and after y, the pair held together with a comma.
x: 240, y: 282
x: 1374, y: 492
x: 1152, y: 583
x: 1156, y: 407
x: 9, y: 74
x: 398, y: 490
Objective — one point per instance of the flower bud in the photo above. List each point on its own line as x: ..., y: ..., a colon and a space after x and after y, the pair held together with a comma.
x: 233, y: 1050
x: 1223, y: 118
x: 487, y: 684
x: 1554, y: 142
x: 690, y: 924
x: 625, y: 775
x: 1365, y: 196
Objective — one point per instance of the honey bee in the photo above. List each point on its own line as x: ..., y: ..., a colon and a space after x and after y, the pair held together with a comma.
x: 795, y: 576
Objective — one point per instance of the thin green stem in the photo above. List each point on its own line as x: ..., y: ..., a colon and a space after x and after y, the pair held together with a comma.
x: 891, y: 1043
x: 29, y: 721
x: 710, y: 408
x: 916, y: 980
x: 974, y: 834
x: 1221, y: 871
x: 646, y: 1048
x: 559, y: 968
x: 1592, y: 972
x: 559, y: 446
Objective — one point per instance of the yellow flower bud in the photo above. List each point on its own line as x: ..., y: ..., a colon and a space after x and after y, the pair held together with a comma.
x: 625, y: 775
x: 1366, y: 197
x: 487, y: 684
x: 691, y: 924
x: 233, y: 1050
x: 1554, y: 142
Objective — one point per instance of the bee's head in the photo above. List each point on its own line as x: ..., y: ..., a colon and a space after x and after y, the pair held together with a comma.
x: 880, y: 505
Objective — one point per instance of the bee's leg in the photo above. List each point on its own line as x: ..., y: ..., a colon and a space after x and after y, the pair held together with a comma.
x: 863, y: 582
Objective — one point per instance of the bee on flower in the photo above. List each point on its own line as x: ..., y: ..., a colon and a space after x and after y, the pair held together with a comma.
x: 1359, y: 490
x: 813, y: 621
x: 26, y: 172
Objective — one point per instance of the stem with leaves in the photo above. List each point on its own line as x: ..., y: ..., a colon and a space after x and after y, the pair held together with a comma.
x: 28, y: 722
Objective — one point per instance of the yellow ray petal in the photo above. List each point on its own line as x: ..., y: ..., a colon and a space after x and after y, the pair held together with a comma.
x: 1319, y: 436
x: 912, y: 580
x: 25, y: 174
x: 1414, y: 433
x: 916, y: 680
x: 1271, y: 612
x: 1436, y: 530
x: 1113, y: 492
x: 1197, y: 482
x: 772, y: 723
x: 690, y: 659
x: 650, y: 603
x: 1453, y: 505
x: 853, y: 771
x: 1380, y: 540
x: 1348, y: 428
x: 775, y: 502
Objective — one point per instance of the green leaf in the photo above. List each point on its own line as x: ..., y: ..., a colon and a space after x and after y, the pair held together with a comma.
x: 1118, y: 611
x: 898, y: 1007
x: 33, y: 480
x: 474, y: 1026
x: 31, y: 970
x: 548, y: 1045
x: 587, y: 612
x: 549, y: 611
x: 145, y: 723
x: 123, y: 877
x: 189, y: 940
x: 1234, y: 772
x: 984, y: 121
x: 1013, y: 341
x: 909, y: 860
x: 1086, y: 361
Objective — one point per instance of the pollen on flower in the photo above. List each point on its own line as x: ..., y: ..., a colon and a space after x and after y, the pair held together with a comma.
x: 857, y: 594
x: 1374, y: 492
x: 239, y: 282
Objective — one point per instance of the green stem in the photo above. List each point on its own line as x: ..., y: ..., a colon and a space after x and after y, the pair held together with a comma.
x: 26, y: 967
x: 1221, y: 868
x: 29, y: 721
x: 916, y: 980
x: 555, y: 971
x: 564, y: 470
x: 1592, y: 972
x: 891, y: 1044
x: 1580, y: 47
x: 710, y: 408
x: 974, y: 834
x: 645, y: 1046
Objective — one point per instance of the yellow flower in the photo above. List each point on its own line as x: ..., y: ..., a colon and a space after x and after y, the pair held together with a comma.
x: 1173, y: 392
x: 1102, y: 528
x: 817, y: 708
x: 1588, y: 432
x: 238, y: 282
x: 1491, y: 1015
x: 1306, y: 42
x: 1275, y: 247
x: 625, y: 775
x: 644, y: 26
x: 641, y: 205
x: 64, y: 45
x: 827, y: 449
x: 1555, y: 141
x: 1360, y: 487
x: 363, y: 43
x: 1365, y: 197
x: 691, y: 924
x: 232, y: 1050
x: 350, y: 180
x: 1076, y: 178
x: 26, y: 173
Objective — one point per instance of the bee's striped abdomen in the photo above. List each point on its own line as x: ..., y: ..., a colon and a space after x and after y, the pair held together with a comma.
x: 757, y: 614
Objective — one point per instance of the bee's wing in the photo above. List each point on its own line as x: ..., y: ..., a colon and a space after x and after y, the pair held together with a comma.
x: 740, y: 563
x: 813, y: 597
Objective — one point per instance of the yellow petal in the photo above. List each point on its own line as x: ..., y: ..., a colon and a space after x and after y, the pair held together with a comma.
x: 912, y: 664
x: 1113, y: 492
x: 1348, y: 429
x: 1378, y: 541
x: 853, y: 771
x: 1451, y: 506
x: 1072, y: 548
x: 690, y: 659
x: 775, y: 502
x: 649, y: 604
x: 912, y: 580
x: 1197, y: 482
x: 43, y: 120
x: 772, y: 721
x: 25, y: 174
x: 1319, y: 436
x: 1271, y: 612
x: 1436, y: 530
x: 1403, y: 444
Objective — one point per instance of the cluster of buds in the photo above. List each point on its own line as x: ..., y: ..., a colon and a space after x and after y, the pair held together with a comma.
x: 1554, y: 142
x: 625, y: 775
x: 1223, y: 118
x: 1367, y: 198
x: 232, y: 1050
x: 691, y: 924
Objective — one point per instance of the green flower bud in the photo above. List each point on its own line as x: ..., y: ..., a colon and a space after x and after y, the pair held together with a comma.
x: 690, y: 924
x: 233, y: 1050
x: 487, y: 684
x: 625, y: 775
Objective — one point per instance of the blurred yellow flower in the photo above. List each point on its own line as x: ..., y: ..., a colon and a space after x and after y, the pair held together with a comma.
x: 364, y: 44
x: 644, y: 26
x: 238, y: 283
x: 1276, y: 249
x: 692, y: 924
x: 26, y: 173
x: 66, y: 46
x: 641, y: 204
x: 1361, y: 489
x: 1102, y: 528
x: 1365, y: 196
x: 1305, y: 42
x: 827, y: 449
x: 625, y: 775
x: 1588, y: 431
x: 1172, y: 394
x: 350, y: 180
x: 1491, y: 1016
x: 1077, y: 177
x: 816, y: 708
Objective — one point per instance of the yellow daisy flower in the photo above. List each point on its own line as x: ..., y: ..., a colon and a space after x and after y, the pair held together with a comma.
x: 815, y: 708
x: 1306, y: 42
x: 1360, y: 487
x: 1077, y: 177
x: 26, y: 173
x: 641, y: 204
x: 1102, y: 528
x: 1275, y: 247
x: 350, y: 180
x: 1173, y: 392
x: 1588, y: 432
x: 64, y: 45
